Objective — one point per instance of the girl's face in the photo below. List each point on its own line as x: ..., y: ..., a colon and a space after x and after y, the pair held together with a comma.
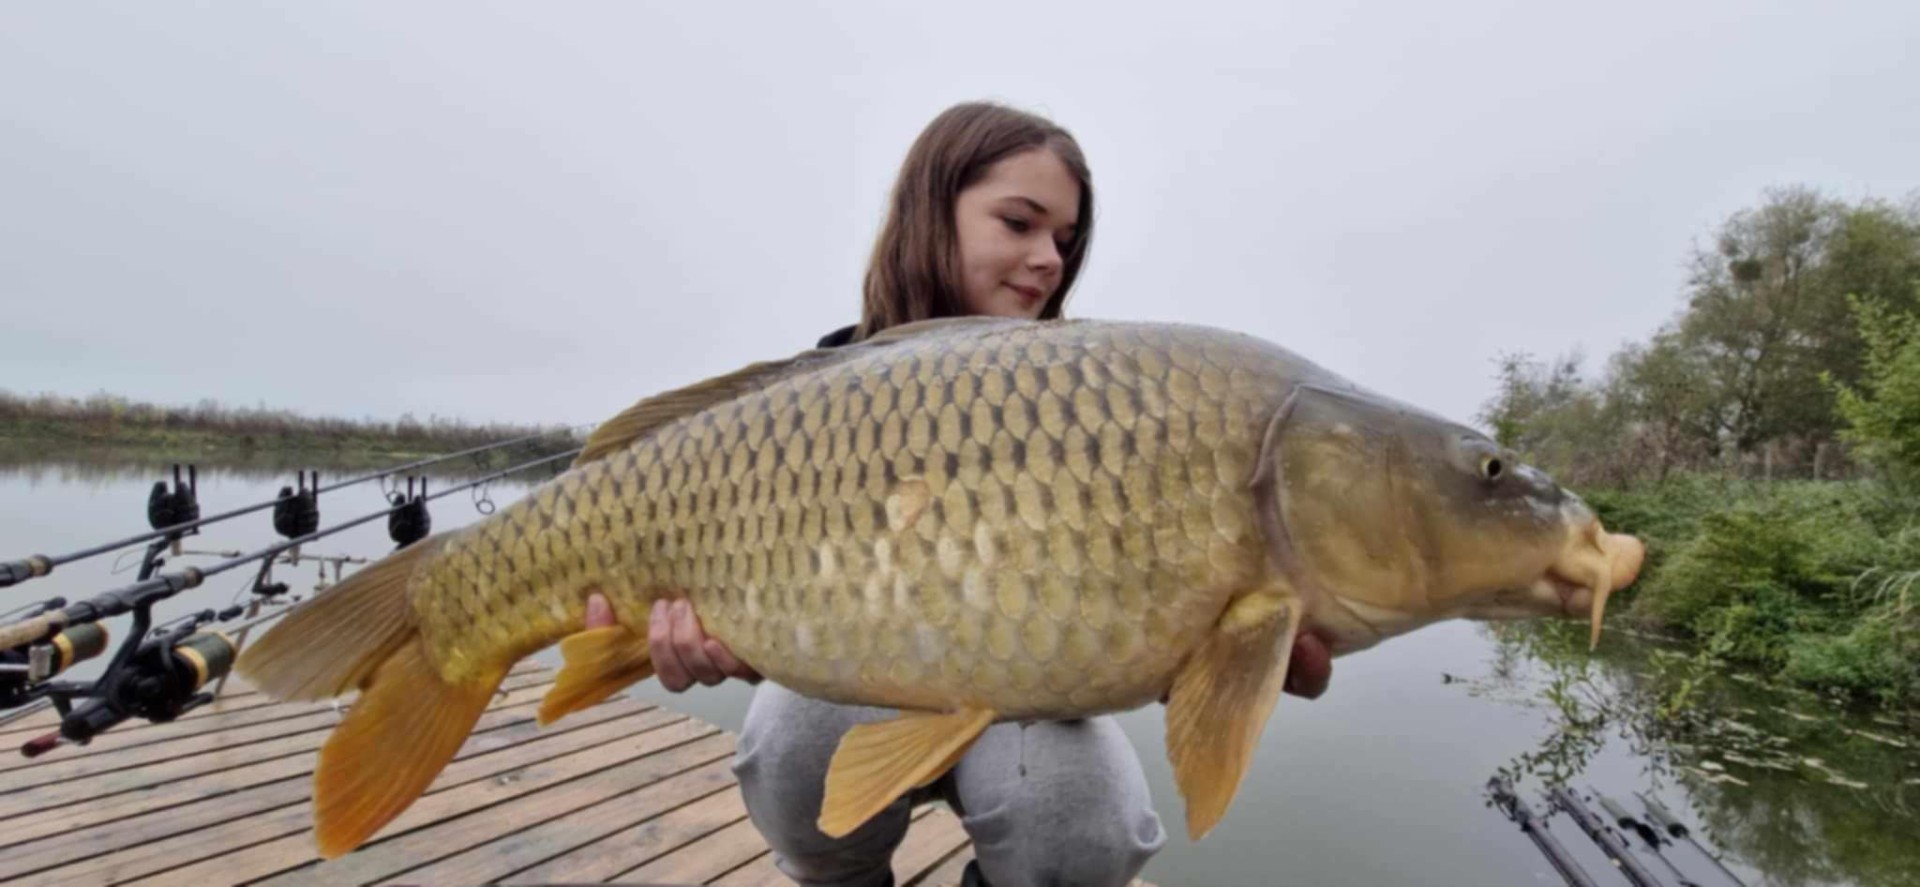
x: 1014, y: 225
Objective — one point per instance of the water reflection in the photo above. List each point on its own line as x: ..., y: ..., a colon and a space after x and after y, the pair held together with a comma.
x: 100, y: 466
x: 1799, y: 789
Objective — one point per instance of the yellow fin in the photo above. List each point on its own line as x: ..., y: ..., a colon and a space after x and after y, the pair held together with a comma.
x: 1221, y: 699
x: 406, y: 725
x: 651, y: 414
x: 877, y: 763
x: 330, y: 645
x: 599, y: 663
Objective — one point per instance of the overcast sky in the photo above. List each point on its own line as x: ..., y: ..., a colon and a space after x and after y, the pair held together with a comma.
x: 542, y: 212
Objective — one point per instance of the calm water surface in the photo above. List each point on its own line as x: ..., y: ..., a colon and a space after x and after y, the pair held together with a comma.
x: 1381, y: 781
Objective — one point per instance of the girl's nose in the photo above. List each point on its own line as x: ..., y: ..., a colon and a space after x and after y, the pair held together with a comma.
x: 1046, y: 256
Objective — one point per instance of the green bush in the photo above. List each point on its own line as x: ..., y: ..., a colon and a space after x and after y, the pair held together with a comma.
x: 1808, y: 580
x: 1878, y: 658
x: 1883, y: 414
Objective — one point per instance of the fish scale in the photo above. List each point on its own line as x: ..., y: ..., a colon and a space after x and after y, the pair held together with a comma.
x: 986, y: 512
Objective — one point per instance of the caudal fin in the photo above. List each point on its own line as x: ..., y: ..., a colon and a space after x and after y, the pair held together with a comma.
x: 331, y: 645
x: 407, y: 723
x: 402, y: 732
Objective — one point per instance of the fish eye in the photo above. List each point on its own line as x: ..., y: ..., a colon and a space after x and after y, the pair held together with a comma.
x: 1491, y: 467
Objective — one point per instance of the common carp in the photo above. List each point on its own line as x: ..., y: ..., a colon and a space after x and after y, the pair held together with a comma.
x: 972, y: 520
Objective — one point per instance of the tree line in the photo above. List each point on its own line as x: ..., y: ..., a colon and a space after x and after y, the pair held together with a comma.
x: 1794, y: 356
x: 1765, y: 442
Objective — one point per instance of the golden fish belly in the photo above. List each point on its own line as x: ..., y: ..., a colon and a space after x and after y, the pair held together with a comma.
x: 1041, y: 520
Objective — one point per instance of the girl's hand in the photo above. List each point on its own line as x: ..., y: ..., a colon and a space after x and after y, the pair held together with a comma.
x: 682, y: 653
x: 1311, y: 667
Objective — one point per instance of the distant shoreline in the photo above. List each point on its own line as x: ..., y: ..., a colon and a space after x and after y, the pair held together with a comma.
x: 53, y: 426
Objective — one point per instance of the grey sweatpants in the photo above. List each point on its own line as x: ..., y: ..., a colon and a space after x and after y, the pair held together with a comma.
x: 1047, y: 803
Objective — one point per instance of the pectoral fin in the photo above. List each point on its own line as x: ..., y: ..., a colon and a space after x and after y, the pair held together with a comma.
x: 1221, y: 699
x: 599, y: 663
x: 877, y: 763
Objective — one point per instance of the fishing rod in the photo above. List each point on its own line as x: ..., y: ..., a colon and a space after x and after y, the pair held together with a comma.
x: 188, y: 519
x: 1609, y: 843
x: 156, y: 674
x: 1674, y: 828
x: 1647, y: 834
x: 1535, y: 828
x: 160, y: 587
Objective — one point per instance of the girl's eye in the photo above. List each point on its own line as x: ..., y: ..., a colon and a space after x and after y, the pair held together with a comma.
x: 1017, y: 226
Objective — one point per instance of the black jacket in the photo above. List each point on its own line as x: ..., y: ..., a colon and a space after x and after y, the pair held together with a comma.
x: 837, y: 338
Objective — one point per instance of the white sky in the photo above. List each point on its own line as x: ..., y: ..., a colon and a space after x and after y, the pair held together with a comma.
x: 542, y: 212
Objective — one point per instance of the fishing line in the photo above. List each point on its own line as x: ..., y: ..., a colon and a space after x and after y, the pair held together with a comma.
x: 166, y: 585
x: 34, y: 566
x: 121, y: 564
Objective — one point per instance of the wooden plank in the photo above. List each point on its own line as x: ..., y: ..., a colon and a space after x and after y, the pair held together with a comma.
x: 285, y: 803
x: 281, y: 838
x: 196, y: 724
x: 631, y: 795
x: 932, y: 839
x: 59, y: 768
x: 48, y: 718
x: 118, y: 738
x: 292, y: 816
x: 733, y: 855
x: 947, y: 873
x: 239, y: 791
x: 229, y: 701
x: 705, y: 859
x: 760, y: 871
x: 475, y: 813
x: 610, y: 857
x: 30, y: 795
x: 934, y: 834
x: 935, y: 851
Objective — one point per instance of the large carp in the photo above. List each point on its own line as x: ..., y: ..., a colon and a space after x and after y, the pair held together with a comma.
x: 972, y: 520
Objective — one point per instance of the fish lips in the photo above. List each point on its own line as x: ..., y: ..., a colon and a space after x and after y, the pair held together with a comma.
x: 1588, y: 573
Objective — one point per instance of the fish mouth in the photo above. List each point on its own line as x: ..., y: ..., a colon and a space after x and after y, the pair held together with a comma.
x: 1591, y: 567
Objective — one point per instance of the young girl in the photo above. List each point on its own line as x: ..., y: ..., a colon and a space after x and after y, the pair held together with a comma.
x: 992, y: 214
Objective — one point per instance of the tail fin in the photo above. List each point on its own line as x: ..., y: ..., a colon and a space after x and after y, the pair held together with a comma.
x: 406, y: 727
x: 408, y: 722
x: 331, y: 645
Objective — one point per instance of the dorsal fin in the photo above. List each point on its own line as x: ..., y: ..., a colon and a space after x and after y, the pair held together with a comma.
x: 649, y: 415
x: 645, y: 417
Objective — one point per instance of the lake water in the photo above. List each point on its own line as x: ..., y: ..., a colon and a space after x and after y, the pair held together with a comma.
x: 1382, y: 781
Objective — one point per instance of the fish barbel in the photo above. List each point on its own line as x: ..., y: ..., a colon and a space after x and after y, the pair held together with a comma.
x: 971, y: 520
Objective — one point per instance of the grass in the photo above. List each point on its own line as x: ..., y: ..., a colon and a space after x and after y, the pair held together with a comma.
x: 1813, y: 582
x: 210, y: 428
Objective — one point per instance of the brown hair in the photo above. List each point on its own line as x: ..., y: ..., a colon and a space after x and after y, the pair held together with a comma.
x: 914, y: 273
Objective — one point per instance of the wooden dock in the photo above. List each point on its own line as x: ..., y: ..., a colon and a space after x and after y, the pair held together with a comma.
x: 625, y: 792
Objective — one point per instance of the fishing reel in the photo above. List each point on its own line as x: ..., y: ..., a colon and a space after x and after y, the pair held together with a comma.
x: 22, y: 668
x: 158, y: 680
